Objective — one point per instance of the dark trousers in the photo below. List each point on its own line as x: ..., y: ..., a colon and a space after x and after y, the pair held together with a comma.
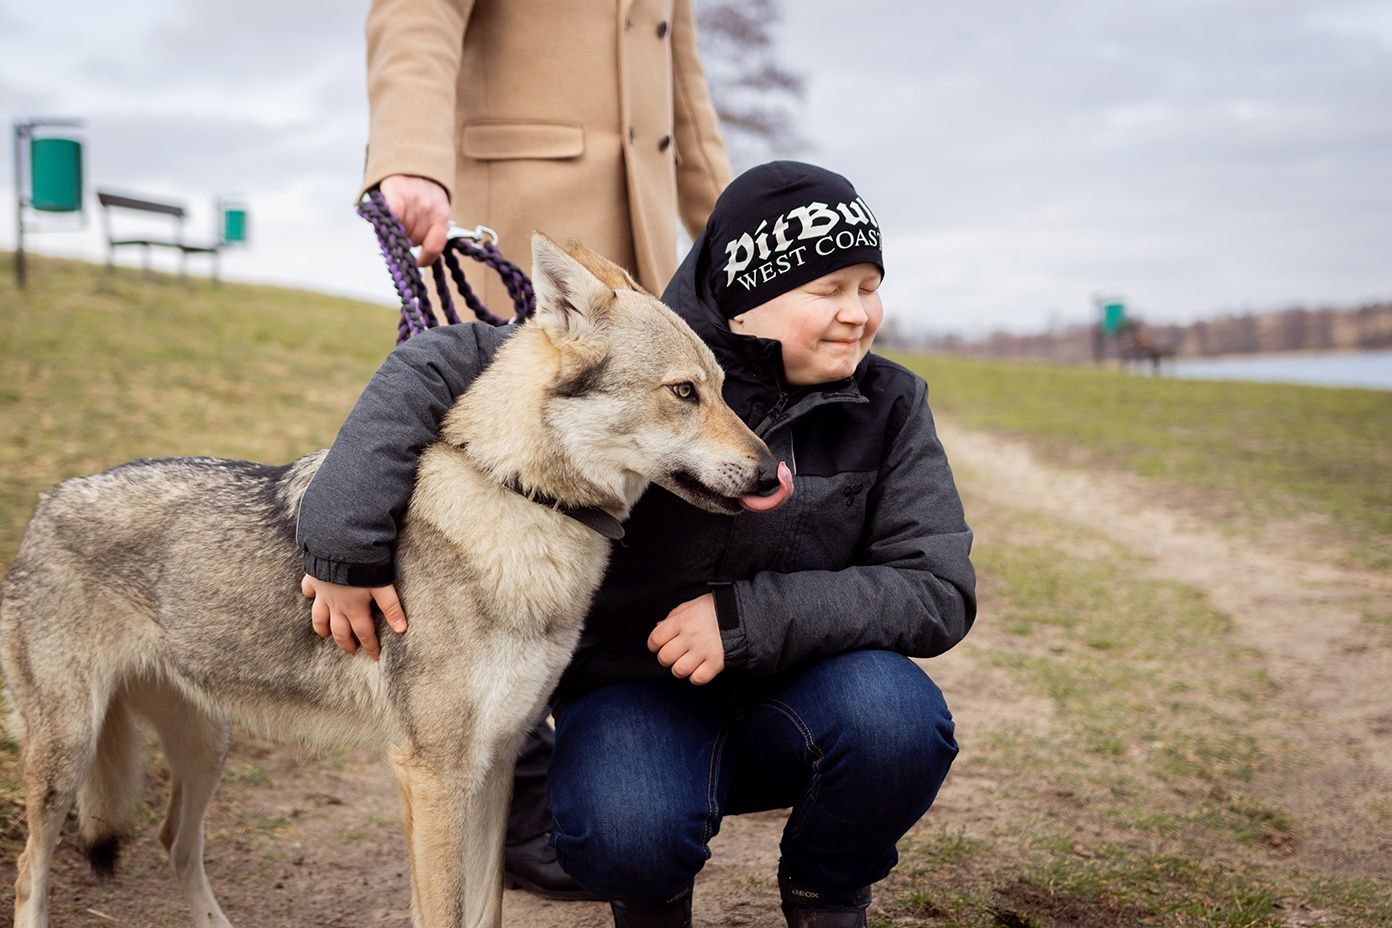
x: 530, y: 814
x: 642, y: 773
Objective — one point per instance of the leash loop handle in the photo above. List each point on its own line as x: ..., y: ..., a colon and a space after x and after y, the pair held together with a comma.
x: 479, y: 243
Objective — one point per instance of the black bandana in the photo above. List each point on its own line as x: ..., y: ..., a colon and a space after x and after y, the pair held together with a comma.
x: 781, y: 224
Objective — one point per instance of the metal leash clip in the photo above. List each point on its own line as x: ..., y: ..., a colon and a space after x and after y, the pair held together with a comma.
x: 480, y: 234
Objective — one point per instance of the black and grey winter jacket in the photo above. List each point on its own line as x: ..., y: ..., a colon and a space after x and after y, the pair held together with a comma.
x: 871, y: 551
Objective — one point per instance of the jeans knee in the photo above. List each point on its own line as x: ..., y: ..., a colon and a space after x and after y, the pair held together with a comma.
x: 896, y: 721
x: 632, y: 852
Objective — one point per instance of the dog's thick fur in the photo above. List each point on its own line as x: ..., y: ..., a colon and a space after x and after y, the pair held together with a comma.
x: 168, y: 590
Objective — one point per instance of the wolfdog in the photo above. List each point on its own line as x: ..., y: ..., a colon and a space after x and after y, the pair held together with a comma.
x: 168, y: 590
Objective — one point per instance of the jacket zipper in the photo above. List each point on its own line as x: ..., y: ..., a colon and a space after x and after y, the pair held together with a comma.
x: 774, y: 414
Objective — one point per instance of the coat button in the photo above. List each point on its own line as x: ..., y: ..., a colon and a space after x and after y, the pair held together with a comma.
x: 631, y: 135
x: 662, y: 30
x: 665, y: 143
x: 628, y: 23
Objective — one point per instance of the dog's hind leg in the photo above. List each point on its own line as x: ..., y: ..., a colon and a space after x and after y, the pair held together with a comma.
x: 110, y: 793
x: 60, y: 740
x: 195, y: 745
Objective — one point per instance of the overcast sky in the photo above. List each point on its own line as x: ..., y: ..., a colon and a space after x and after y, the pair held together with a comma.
x: 1197, y: 156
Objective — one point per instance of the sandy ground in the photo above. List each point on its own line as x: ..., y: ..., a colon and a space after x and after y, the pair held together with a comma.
x: 1288, y: 599
x: 299, y: 840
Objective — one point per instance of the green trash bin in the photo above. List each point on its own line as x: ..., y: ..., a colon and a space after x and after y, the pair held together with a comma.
x: 1113, y: 317
x: 234, y: 225
x: 55, y: 175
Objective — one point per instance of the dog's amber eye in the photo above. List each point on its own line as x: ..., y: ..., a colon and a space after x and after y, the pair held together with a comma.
x: 684, y: 390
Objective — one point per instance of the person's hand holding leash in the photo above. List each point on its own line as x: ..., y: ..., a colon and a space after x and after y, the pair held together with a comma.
x: 423, y: 209
x: 688, y: 641
x: 346, y: 613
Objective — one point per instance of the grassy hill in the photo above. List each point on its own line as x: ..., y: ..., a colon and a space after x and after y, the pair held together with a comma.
x: 99, y: 368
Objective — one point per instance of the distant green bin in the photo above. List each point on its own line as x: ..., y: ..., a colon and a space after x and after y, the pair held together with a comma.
x: 234, y: 225
x: 55, y: 174
x: 1113, y: 316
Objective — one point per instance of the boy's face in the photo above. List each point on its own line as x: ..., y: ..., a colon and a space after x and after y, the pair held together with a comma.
x: 825, y: 326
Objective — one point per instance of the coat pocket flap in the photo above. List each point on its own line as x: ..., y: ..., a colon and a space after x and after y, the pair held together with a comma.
x: 496, y: 141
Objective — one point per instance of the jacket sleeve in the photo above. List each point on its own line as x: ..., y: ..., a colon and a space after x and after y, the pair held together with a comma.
x: 703, y: 168
x: 913, y: 590
x: 352, y: 509
x: 413, y: 53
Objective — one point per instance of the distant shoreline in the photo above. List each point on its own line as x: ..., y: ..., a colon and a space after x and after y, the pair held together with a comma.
x: 1366, y: 370
x: 1294, y: 353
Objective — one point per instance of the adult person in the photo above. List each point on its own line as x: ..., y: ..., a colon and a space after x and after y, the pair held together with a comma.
x: 588, y: 119
x: 795, y: 626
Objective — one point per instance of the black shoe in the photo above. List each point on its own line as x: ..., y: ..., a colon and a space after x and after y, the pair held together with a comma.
x: 808, y: 907
x: 531, y: 865
x: 667, y: 912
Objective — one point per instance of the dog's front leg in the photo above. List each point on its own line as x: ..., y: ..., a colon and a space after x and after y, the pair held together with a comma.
x: 455, y: 813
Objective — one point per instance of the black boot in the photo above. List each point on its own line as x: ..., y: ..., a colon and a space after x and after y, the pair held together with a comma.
x: 532, y: 865
x: 808, y: 907
x: 666, y: 912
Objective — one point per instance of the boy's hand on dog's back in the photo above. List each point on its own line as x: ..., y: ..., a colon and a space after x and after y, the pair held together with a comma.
x: 688, y: 640
x: 345, y: 612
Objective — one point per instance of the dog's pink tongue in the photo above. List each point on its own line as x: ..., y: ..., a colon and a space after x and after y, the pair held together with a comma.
x: 756, y: 503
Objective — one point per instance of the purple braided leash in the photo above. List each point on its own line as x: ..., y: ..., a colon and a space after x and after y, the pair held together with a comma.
x: 416, y: 314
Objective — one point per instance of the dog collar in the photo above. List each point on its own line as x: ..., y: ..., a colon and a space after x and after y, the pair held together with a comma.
x: 589, y: 516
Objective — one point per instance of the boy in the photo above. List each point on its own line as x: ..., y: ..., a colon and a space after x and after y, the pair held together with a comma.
x: 729, y: 663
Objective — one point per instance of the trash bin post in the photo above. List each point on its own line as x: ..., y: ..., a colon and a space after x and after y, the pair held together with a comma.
x: 55, y: 178
x: 21, y: 131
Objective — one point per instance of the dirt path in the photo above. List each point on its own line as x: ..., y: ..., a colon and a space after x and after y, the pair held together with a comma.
x: 1333, y: 669
x: 296, y: 839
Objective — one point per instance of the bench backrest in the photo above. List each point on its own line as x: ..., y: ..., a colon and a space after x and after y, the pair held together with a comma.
x: 149, y: 206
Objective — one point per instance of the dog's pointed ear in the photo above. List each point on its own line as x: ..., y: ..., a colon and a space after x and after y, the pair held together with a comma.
x: 570, y: 300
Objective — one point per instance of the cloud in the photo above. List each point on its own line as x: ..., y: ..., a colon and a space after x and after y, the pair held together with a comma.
x: 1197, y: 156
x: 1194, y: 155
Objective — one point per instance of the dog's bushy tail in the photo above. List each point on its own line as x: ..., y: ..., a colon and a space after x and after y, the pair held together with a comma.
x: 108, y: 800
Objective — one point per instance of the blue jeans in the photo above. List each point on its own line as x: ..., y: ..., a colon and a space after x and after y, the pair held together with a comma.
x: 642, y: 773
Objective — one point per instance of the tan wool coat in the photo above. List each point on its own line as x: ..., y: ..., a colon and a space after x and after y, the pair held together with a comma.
x: 586, y: 119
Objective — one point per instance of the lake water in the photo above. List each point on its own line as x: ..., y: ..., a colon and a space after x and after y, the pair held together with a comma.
x: 1368, y: 369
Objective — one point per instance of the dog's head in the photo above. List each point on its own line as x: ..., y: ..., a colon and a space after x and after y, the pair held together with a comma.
x: 637, y: 393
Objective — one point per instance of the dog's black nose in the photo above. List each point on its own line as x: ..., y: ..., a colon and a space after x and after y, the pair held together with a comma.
x: 766, y: 480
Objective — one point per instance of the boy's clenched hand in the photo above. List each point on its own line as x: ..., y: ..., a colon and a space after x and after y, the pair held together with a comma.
x: 688, y: 640
x: 346, y: 613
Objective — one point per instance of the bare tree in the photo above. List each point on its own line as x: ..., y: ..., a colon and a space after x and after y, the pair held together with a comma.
x: 755, y: 96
